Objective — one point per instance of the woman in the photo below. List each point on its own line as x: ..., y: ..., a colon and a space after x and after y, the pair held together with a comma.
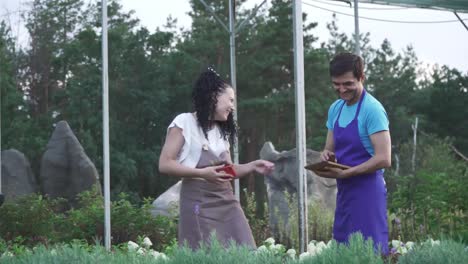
x: 197, y: 149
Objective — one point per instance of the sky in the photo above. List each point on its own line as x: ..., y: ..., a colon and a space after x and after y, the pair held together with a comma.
x: 434, y: 43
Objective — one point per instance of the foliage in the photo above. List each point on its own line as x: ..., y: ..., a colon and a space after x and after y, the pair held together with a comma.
x: 40, y: 220
x: 320, y: 223
x: 31, y: 217
x: 258, y: 223
x: 357, y: 251
x: 432, y: 201
x: 447, y: 251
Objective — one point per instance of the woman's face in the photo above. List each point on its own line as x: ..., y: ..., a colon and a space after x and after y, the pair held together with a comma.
x: 225, y: 104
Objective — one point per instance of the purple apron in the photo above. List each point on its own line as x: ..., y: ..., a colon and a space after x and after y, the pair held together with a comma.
x: 361, y: 204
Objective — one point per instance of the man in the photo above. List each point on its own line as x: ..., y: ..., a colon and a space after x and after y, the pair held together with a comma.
x: 358, y: 136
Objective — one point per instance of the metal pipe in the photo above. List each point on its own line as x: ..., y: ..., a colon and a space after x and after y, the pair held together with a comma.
x: 232, y: 48
x: 300, y: 123
x: 356, y: 28
x: 105, y: 124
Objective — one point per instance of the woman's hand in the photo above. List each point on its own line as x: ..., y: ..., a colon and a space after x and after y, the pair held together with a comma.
x: 262, y: 166
x: 333, y: 173
x: 212, y: 175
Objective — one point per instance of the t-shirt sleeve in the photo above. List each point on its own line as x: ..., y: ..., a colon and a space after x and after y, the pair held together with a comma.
x: 377, y: 119
x: 332, y: 114
x: 182, y: 121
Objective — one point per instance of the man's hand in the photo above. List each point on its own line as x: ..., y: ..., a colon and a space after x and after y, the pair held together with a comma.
x: 333, y: 173
x: 327, y: 155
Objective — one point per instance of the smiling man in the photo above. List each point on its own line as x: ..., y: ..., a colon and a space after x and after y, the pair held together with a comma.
x: 358, y: 136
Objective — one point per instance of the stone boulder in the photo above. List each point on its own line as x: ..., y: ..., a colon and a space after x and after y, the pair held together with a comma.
x: 283, y: 181
x: 66, y: 170
x: 167, y: 204
x: 17, y: 176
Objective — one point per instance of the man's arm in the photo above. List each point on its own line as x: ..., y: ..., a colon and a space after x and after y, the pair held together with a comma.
x: 329, y: 150
x: 382, y: 156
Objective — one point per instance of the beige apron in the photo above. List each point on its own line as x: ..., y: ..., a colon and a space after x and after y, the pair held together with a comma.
x: 207, y: 207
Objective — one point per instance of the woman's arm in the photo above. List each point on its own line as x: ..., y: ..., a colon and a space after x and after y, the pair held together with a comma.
x: 260, y: 166
x: 168, y: 163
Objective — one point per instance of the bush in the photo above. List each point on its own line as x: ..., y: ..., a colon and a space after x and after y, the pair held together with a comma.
x: 40, y: 220
x: 77, y: 253
x: 320, y: 223
x: 32, y: 217
x: 447, y: 252
x: 258, y: 223
x: 431, y: 201
x: 357, y: 251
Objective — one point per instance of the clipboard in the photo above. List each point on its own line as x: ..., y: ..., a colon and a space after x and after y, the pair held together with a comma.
x: 321, y: 165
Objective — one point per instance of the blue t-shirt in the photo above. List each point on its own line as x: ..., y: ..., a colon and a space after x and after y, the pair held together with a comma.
x: 371, y: 119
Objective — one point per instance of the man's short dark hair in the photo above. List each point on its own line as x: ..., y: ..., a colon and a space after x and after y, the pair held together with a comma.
x: 347, y: 62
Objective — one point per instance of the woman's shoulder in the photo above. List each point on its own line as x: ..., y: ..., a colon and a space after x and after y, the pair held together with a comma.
x: 185, y: 117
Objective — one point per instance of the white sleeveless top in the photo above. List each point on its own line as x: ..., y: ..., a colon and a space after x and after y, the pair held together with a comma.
x: 194, y: 138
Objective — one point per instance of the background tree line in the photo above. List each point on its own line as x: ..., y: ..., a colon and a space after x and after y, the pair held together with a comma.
x: 58, y: 77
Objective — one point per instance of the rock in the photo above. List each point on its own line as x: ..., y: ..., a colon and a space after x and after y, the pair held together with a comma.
x: 66, y: 170
x: 17, y: 176
x: 284, y: 178
x: 167, y: 204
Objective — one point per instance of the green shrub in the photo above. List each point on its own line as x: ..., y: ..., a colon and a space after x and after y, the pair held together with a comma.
x: 320, y: 223
x: 215, y: 253
x: 258, y: 223
x: 447, y: 252
x: 431, y: 201
x: 32, y: 217
x: 77, y: 253
x: 357, y: 251
x: 40, y: 220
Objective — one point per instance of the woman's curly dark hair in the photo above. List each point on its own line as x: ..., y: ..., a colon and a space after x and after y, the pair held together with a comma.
x: 204, y: 98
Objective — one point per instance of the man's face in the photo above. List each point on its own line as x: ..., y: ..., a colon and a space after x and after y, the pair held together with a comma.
x: 348, y: 87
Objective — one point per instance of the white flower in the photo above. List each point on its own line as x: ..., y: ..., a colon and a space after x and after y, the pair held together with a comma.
x: 402, y: 250
x: 262, y: 248
x: 321, y: 245
x: 291, y: 253
x: 141, y: 251
x: 277, y: 247
x: 158, y: 255
x: 7, y: 254
x: 132, y: 246
x: 409, y: 244
x: 396, y: 243
x: 270, y: 241
x: 147, y: 242
x: 435, y: 242
x: 304, y: 255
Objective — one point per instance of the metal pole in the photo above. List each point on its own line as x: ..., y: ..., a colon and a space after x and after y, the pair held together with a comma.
x: 2, y: 198
x: 105, y: 124
x: 356, y: 28
x: 300, y: 123
x: 415, y: 134
x: 461, y: 20
x: 232, y: 46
